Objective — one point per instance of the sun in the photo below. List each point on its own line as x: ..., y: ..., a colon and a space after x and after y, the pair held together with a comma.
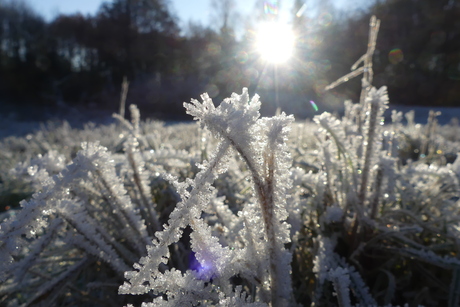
x: 275, y: 42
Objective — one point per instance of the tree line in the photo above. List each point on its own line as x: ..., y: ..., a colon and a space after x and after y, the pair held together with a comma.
x: 81, y: 60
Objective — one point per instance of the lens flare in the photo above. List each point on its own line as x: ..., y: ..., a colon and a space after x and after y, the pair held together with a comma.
x: 212, y: 90
x: 313, y: 104
x: 395, y: 56
x: 325, y: 19
x: 242, y: 57
x: 271, y: 7
x: 275, y: 42
x: 302, y: 10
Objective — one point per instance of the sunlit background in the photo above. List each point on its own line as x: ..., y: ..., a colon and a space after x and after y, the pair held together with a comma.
x: 61, y: 55
x: 186, y: 10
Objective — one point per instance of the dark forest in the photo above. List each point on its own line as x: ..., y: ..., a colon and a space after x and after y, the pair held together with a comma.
x: 80, y: 61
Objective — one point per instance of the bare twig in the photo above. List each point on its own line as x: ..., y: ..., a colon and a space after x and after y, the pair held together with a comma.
x: 124, y: 94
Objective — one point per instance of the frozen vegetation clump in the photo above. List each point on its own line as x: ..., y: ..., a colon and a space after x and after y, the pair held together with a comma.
x: 248, y: 245
x: 237, y: 210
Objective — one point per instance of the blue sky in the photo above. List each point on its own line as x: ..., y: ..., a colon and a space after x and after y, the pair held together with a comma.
x: 196, y: 10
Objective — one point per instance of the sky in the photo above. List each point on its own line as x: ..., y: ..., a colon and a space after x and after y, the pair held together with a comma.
x: 195, y: 10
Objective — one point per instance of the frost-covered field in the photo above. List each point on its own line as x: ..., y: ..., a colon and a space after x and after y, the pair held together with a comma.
x: 250, y: 210
x: 235, y: 210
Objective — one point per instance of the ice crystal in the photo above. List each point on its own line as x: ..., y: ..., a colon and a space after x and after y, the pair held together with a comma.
x: 260, y: 256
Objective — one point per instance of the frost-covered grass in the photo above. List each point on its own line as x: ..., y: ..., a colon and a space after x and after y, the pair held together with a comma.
x: 96, y: 208
x: 237, y: 210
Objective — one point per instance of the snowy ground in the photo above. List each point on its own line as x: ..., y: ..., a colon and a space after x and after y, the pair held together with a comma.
x: 15, y: 124
x: 20, y: 123
x: 421, y: 113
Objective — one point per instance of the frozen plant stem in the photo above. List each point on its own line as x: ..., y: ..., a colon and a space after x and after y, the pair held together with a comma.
x: 265, y: 172
x: 117, y: 205
x: 368, y: 73
x: 137, y: 165
x: 366, y: 69
x: 368, y: 153
x: 151, y: 216
x: 265, y: 191
x: 378, y: 190
x: 366, y: 59
x: 124, y: 94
